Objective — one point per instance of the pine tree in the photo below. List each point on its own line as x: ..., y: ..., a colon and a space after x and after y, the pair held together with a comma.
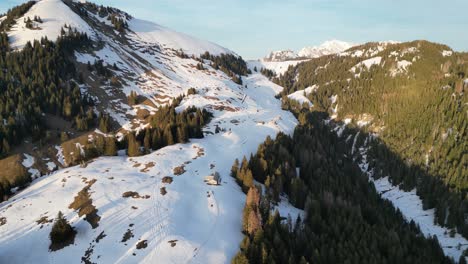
x: 104, y: 123
x: 147, y: 141
x: 110, y: 147
x: 133, y: 146
x: 168, y: 137
x: 61, y: 230
x: 132, y: 98
x: 240, y: 258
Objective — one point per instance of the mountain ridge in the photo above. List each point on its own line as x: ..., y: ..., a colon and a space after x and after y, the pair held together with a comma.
x: 326, y: 48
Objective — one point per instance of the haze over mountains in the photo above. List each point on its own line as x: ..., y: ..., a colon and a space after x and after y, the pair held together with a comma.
x: 157, y: 146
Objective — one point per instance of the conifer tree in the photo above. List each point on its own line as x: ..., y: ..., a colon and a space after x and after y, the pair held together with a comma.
x: 110, y: 147
x: 61, y: 230
x: 133, y: 146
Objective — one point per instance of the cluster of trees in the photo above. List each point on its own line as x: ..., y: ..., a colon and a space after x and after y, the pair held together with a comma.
x: 117, y: 17
x: 181, y: 54
x: 429, y: 133
x: 167, y: 128
x: 345, y: 220
x: 232, y: 65
x: 15, y: 13
x: 267, y: 72
x: 38, y: 80
x: 102, y: 70
x: 30, y: 23
x: 119, y: 23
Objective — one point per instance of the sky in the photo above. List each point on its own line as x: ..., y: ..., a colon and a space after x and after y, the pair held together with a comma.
x: 253, y: 28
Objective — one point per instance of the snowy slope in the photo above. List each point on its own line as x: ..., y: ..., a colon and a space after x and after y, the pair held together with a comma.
x: 301, y: 96
x: 212, y: 234
x: 279, y: 67
x: 153, y: 33
x: 204, y: 222
x: 54, y: 14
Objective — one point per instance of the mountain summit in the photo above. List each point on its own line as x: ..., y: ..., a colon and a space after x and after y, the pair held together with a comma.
x: 326, y: 48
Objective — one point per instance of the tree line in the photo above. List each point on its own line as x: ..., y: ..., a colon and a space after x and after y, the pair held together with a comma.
x: 15, y: 13
x: 35, y: 80
x: 233, y: 66
x: 345, y: 220
x: 428, y: 133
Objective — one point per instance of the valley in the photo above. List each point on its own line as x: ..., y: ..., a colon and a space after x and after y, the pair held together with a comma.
x: 339, y: 152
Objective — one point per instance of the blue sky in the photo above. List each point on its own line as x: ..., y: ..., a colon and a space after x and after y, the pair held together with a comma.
x: 252, y: 28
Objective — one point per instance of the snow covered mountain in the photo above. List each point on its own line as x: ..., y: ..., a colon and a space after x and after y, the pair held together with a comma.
x: 280, y: 61
x: 281, y: 55
x: 51, y: 26
x: 158, y: 207
x: 326, y: 48
x: 188, y: 222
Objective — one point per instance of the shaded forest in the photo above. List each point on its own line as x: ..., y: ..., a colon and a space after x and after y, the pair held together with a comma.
x: 346, y: 220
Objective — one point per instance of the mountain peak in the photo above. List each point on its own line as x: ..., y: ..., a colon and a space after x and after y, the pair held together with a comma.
x: 327, y: 48
x: 54, y: 15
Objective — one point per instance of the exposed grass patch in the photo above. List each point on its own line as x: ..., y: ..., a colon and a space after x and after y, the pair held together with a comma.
x: 84, y: 204
x: 134, y: 195
x: 44, y: 220
x: 179, y: 170
x: 13, y: 175
x: 167, y: 180
x: 148, y: 166
x: 127, y: 236
x: 142, y: 244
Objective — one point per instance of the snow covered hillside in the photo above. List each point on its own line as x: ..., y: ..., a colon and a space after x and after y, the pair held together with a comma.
x: 54, y: 15
x: 204, y: 221
x: 153, y: 33
x: 155, y: 207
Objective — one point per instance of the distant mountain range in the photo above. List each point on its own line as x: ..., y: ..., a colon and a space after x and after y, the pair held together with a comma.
x: 326, y: 48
